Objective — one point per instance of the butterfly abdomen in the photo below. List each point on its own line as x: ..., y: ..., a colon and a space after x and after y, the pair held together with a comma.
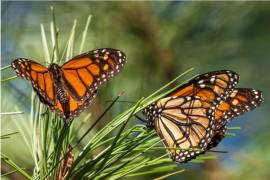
x: 56, y: 74
x: 61, y: 95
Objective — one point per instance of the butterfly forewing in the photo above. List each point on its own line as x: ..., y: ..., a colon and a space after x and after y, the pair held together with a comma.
x: 39, y: 77
x: 213, y: 86
x: 83, y: 74
x: 184, y: 123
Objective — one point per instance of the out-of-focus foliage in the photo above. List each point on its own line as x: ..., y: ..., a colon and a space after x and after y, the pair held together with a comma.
x: 161, y: 40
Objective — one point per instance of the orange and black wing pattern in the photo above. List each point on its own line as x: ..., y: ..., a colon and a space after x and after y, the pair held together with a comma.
x: 83, y: 74
x: 74, y: 107
x: 184, y: 123
x: 39, y: 77
x: 241, y: 100
x: 214, y: 86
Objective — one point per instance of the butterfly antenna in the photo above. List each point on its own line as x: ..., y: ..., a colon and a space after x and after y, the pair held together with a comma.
x: 88, y: 130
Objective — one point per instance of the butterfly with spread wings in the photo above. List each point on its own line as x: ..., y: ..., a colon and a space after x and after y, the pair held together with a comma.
x: 70, y: 89
x: 193, y: 118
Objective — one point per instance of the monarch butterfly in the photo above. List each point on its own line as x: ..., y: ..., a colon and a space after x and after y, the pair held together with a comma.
x: 70, y: 89
x: 192, y: 119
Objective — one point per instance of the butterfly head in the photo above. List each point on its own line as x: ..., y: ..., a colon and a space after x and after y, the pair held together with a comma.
x: 55, y: 71
x: 54, y: 67
x: 152, y: 112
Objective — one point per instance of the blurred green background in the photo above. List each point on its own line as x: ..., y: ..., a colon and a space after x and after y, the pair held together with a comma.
x: 161, y: 40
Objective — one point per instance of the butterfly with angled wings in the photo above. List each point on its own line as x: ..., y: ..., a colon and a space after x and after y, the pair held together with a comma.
x: 193, y: 118
x: 70, y: 89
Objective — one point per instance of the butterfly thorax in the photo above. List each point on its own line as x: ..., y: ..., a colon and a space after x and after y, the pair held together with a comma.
x: 55, y: 71
x: 56, y: 74
x: 152, y: 112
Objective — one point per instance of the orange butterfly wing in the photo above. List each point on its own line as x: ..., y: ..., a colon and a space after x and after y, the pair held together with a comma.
x: 83, y: 74
x: 39, y: 76
x: 241, y: 100
x: 74, y: 107
x: 213, y: 86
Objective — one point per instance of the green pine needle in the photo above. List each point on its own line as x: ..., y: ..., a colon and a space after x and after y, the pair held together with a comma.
x: 7, y: 160
x: 8, y: 79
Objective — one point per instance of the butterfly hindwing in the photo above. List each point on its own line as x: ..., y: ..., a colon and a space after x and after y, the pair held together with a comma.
x: 83, y: 74
x: 184, y: 123
x: 74, y: 107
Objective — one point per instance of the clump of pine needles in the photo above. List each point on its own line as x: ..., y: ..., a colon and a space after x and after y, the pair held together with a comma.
x: 128, y: 153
